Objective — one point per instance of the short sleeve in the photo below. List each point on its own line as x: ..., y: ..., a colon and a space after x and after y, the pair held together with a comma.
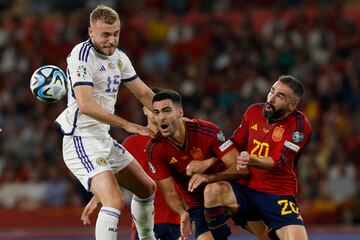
x: 79, y: 67
x: 292, y: 144
x: 241, y: 134
x: 127, y: 70
x: 220, y: 145
x: 157, y: 161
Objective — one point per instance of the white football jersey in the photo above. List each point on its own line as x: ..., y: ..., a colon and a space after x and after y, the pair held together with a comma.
x: 86, y: 66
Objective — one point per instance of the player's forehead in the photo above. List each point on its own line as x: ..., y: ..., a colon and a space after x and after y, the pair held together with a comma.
x: 162, y: 104
x: 101, y: 27
x: 280, y: 87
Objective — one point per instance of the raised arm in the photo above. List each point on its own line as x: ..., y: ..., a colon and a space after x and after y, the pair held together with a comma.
x: 141, y: 91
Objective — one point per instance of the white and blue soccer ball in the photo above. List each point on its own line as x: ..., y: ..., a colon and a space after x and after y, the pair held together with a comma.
x: 48, y: 84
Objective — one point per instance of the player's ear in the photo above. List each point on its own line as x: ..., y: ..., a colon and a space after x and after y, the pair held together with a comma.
x: 181, y: 112
x: 90, y: 32
x: 293, y: 105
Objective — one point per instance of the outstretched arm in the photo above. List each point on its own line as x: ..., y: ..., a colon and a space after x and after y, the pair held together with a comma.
x: 231, y: 173
x: 245, y: 159
x: 196, y: 166
x: 177, y: 204
x: 88, y: 106
x: 141, y: 91
x: 88, y: 210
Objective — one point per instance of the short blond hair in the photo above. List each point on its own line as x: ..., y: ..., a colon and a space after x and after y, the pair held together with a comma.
x: 105, y: 14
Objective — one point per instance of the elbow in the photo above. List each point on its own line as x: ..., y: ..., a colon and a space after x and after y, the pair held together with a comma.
x: 84, y: 108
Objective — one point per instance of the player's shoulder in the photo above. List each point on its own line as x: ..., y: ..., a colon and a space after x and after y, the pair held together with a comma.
x: 255, y: 107
x: 199, y: 123
x: 300, y: 122
x: 135, y: 139
x: 83, y: 51
x: 154, y: 145
x: 204, y: 129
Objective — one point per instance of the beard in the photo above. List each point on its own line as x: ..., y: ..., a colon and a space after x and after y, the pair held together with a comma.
x: 275, y: 114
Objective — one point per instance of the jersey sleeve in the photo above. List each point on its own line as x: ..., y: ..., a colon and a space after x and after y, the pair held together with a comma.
x: 157, y: 161
x: 292, y: 143
x: 127, y: 70
x: 80, y: 66
x: 241, y: 134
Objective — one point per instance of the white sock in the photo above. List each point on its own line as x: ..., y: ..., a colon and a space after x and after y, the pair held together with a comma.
x: 106, y: 224
x: 142, y: 211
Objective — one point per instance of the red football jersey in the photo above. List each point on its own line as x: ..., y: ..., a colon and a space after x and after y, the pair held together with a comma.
x: 136, y: 144
x: 283, y: 141
x: 203, y: 140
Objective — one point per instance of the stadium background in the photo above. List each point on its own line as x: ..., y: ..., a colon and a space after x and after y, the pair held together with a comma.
x: 221, y: 55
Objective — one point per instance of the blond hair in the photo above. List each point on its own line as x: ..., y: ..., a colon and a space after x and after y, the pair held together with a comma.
x: 105, y: 14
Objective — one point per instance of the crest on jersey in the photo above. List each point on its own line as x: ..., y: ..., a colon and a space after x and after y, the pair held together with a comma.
x: 152, y: 168
x: 101, y: 161
x: 111, y: 65
x: 119, y: 64
x: 277, y: 134
x: 297, y: 137
x: 81, y: 71
x: 221, y: 136
x: 197, y: 154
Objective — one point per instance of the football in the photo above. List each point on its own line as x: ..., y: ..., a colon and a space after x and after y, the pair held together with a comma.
x: 48, y: 84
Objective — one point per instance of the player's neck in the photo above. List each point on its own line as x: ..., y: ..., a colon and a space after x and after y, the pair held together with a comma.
x: 179, y: 137
x: 274, y: 121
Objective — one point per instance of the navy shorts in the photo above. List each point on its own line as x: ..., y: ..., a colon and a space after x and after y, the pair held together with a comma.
x: 197, y: 216
x: 275, y: 210
x: 165, y: 231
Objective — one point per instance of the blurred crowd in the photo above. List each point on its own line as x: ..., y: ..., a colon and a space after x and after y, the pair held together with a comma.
x: 221, y: 55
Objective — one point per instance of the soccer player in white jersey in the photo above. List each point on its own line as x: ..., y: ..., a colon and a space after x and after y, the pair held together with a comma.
x: 95, y: 69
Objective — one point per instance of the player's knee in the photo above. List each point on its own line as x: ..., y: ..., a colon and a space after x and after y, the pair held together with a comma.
x: 149, y: 190
x: 114, y: 200
x: 213, y: 192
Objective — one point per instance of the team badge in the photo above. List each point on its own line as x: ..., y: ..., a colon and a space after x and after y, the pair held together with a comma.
x: 297, y: 136
x: 111, y: 66
x: 277, y: 134
x: 197, y: 154
x: 81, y: 71
x: 119, y: 64
x: 101, y: 161
x: 152, y: 168
x: 221, y: 136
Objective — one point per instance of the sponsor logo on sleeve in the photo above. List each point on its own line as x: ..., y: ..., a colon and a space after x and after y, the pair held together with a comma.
x: 297, y: 137
x: 225, y: 145
x: 292, y: 146
x: 152, y: 168
x: 221, y: 136
x: 81, y: 71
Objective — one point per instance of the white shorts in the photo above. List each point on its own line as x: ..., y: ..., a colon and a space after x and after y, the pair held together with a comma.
x: 89, y: 156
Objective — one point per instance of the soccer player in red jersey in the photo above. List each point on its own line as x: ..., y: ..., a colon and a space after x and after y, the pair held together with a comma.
x: 166, y: 221
x: 272, y: 135
x: 179, y: 142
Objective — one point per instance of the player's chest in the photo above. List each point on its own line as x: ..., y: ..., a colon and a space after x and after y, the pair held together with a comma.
x: 178, y: 159
x: 263, y: 138
x: 107, y: 76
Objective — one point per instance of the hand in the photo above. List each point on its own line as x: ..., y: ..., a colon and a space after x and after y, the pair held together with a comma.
x: 196, y: 166
x: 90, y: 207
x: 185, y: 226
x: 197, y: 180
x: 136, y: 128
x: 242, y: 161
